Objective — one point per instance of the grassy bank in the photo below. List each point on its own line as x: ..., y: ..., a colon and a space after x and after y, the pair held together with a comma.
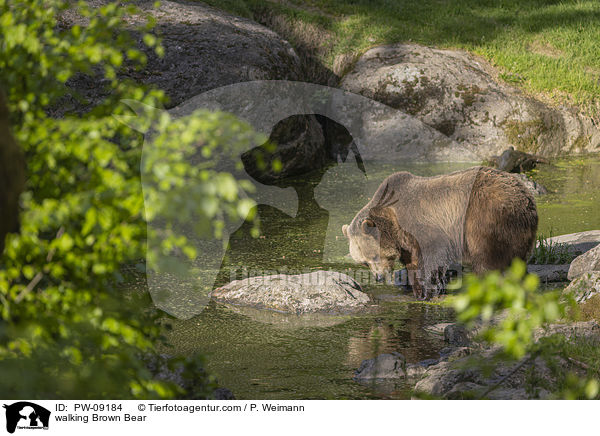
x: 547, y: 47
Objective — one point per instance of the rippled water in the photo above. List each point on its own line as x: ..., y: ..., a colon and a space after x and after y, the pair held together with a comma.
x: 267, y: 355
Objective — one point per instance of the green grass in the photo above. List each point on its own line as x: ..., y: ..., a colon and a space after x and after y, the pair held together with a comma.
x: 548, y: 252
x: 547, y: 47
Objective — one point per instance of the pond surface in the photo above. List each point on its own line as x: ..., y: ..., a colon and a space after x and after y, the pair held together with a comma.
x: 267, y: 355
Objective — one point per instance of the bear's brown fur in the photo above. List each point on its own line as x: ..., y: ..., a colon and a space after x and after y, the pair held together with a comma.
x: 480, y: 216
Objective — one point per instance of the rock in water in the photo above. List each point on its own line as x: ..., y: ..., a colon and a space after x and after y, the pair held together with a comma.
x: 384, y: 366
x: 515, y: 161
x: 319, y: 291
x: 586, y: 263
x: 456, y: 334
x: 456, y: 93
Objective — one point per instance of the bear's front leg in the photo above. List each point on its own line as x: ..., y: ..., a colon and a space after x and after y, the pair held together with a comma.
x: 414, y: 279
x: 437, y: 281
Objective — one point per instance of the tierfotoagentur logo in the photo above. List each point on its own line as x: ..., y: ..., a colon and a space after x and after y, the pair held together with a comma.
x: 24, y: 415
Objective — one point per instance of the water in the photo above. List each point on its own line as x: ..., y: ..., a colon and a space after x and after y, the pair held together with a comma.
x: 573, y: 202
x: 267, y: 355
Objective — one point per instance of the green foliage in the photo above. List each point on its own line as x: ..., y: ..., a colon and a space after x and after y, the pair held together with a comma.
x: 577, y: 388
x: 548, y: 252
x: 511, y: 308
x: 513, y: 295
x: 67, y: 328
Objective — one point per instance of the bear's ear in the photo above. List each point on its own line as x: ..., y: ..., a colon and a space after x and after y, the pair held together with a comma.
x: 367, y: 226
x: 345, y: 230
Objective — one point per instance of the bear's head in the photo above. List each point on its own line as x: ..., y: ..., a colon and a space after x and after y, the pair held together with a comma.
x: 371, y: 245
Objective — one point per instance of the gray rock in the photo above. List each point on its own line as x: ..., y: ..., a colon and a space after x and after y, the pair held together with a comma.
x: 441, y: 378
x: 300, y: 148
x: 384, y: 366
x: 465, y: 379
x: 455, y: 93
x: 534, y: 187
x: 581, y: 329
x: 586, y: 263
x: 465, y: 391
x: 319, y: 291
x: 204, y: 48
x: 584, y: 287
x: 456, y: 334
x: 12, y: 176
x: 515, y: 161
x: 395, y: 136
x: 577, y: 243
x: 427, y: 362
x: 223, y: 394
x: 461, y: 373
x: 438, y: 329
x: 549, y: 273
x: 450, y: 354
x: 414, y: 370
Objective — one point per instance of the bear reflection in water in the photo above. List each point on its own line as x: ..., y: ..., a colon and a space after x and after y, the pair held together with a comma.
x: 306, y: 147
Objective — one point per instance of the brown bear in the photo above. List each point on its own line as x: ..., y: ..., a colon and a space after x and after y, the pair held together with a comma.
x: 480, y: 217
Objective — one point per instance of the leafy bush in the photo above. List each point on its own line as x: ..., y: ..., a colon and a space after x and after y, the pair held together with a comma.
x: 67, y: 328
x: 509, y: 308
x: 512, y: 295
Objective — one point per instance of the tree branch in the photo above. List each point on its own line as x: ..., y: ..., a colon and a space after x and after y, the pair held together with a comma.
x: 36, y: 279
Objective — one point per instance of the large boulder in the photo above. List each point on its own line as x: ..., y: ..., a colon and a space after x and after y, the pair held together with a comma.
x: 576, y: 243
x: 12, y: 176
x: 392, y: 135
x: 204, y: 48
x: 457, y: 94
x: 586, y: 263
x: 319, y: 291
x: 584, y: 287
x: 391, y: 365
